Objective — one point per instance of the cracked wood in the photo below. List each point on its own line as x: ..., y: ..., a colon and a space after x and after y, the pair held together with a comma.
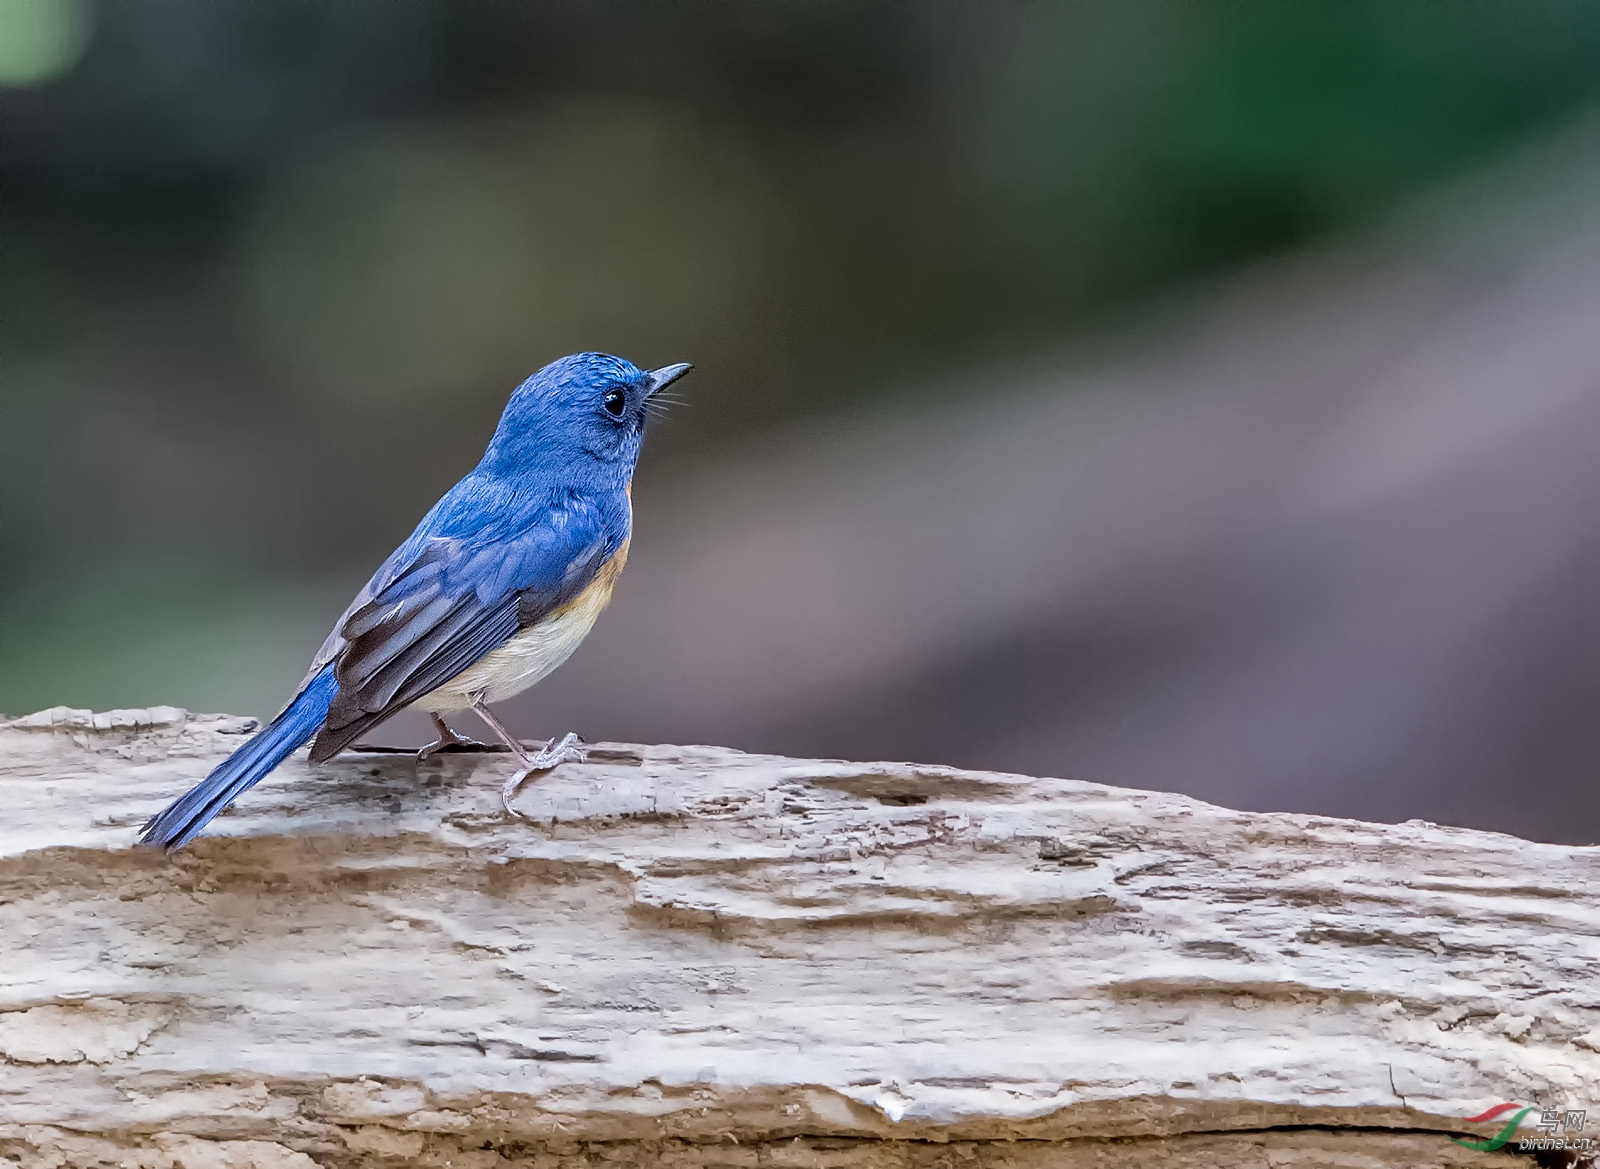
x: 690, y: 956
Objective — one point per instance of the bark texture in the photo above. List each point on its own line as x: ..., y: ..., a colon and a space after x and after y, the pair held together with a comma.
x: 687, y: 956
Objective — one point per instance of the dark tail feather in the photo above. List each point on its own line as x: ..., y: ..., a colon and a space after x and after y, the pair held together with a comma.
x: 183, y: 819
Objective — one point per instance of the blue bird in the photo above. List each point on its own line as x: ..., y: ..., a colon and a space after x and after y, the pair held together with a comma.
x: 497, y: 586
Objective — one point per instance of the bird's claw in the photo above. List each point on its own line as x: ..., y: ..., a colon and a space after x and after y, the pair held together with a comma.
x: 442, y: 743
x: 568, y: 749
x: 448, y: 737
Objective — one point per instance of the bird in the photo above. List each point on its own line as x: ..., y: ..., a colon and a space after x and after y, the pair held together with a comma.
x: 495, y: 588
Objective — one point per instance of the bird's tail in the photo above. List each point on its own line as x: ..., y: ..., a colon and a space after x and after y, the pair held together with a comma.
x: 182, y: 820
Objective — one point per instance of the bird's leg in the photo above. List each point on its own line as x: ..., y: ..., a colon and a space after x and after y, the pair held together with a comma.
x: 555, y: 752
x: 447, y: 738
x: 482, y: 711
x: 567, y: 749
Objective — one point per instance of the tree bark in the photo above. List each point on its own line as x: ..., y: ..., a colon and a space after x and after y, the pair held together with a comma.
x: 688, y: 956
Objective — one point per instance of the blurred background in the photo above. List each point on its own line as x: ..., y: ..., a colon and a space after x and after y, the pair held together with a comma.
x: 1202, y: 397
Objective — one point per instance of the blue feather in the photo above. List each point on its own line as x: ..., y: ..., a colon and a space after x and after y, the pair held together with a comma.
x: 183, y: 819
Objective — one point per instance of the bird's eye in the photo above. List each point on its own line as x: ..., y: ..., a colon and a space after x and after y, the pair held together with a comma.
x: 615, y: 403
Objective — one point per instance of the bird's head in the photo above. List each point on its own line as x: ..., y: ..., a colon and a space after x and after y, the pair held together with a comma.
x: 585, y: 414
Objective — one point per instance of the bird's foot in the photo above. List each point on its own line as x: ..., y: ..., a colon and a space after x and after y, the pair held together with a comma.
x: 568, y: 749
x: 447, y: 738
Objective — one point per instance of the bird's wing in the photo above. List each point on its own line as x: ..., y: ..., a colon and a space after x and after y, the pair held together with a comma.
x: 448, y: 604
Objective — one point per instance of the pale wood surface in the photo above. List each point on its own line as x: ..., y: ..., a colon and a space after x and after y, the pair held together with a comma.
x: 698, y: 957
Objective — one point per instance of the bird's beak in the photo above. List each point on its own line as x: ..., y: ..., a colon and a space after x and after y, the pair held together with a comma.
x: 661, y: 378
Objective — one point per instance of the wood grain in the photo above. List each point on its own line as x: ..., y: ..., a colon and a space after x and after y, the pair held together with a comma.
x: 688, y: 956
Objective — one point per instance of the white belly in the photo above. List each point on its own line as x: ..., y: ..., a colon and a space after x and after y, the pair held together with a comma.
x: 526, y: 658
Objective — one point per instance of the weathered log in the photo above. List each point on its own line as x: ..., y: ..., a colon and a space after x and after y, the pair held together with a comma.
x: 687, y: 956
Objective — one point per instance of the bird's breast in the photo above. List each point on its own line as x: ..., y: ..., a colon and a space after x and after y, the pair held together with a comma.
x: 533, y: 651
